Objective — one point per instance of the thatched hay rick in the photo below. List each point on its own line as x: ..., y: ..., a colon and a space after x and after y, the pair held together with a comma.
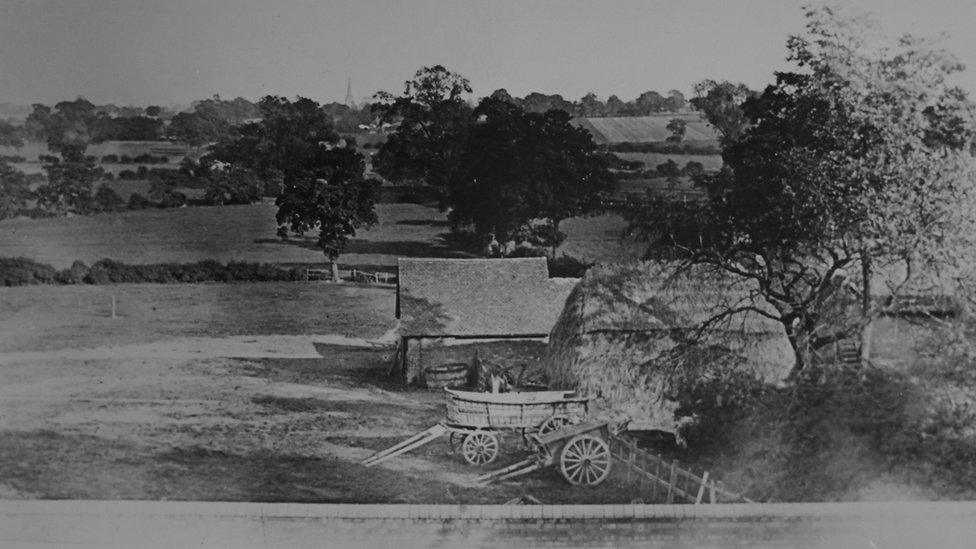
x: 628, y: 333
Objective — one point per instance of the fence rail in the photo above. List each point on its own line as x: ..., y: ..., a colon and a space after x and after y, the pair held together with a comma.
x: 667, y: 478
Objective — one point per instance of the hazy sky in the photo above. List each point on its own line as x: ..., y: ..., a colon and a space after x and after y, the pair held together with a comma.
x: 168, y: 52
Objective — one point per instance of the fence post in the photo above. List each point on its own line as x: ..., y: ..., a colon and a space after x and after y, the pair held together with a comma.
x: 711, y: 492
x: 672, y: 480
x: 701, y: 489
x: 631, y: 462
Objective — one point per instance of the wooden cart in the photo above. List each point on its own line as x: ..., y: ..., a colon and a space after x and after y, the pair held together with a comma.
x: 474, y: 421
x: 582, y: 452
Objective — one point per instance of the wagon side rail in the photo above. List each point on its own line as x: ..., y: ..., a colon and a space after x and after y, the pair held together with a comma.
x: 666, y: 479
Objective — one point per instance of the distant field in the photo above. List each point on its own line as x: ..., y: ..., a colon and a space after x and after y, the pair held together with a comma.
x: 248, y: 233
x: 645, y: 129
x: 241, y: 233
x: 31, y: 151
x: 651, y: 160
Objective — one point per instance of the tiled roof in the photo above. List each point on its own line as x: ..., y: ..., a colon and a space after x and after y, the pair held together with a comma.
x: 478, y: 297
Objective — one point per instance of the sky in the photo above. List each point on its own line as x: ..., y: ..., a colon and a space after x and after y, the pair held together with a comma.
x: 170, y: 52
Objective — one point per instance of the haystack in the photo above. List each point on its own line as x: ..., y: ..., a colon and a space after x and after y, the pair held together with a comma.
x: 627, y: 331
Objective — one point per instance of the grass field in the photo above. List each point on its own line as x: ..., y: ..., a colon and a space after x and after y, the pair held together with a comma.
x: 240, y: 233
x: 53, y: 317
x: 247, y: 233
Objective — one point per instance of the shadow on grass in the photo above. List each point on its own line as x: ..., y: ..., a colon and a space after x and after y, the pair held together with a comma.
x: 423, y: 223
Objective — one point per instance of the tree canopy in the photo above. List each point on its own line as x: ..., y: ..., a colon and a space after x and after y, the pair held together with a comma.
x: 518, y: 166
x: 856, y: 166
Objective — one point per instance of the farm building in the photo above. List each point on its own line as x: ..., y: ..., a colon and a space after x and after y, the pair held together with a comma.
x: 451, y: 309
x: 645, y: 129
x: 624, y: 331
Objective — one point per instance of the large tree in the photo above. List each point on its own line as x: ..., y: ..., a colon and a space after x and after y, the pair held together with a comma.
x: 14, y: 189
x: 322, y: 177
x: 854, y: 168
x: 433, y: 119
x: 518, y: 166
x: 329, y: 193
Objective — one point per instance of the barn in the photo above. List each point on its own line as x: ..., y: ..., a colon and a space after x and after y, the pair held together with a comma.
x: 451, y: 310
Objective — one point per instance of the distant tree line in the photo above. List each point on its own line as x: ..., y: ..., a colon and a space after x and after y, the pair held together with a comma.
x: 590, y: 106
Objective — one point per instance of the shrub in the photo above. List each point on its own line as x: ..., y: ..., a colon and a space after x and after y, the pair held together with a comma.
x: 75, y: 274
x: 139, y: 202
x: 110, y: 159
x: 19, y: 271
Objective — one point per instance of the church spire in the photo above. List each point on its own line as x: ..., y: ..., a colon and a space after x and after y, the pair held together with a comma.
x: 350, y: 102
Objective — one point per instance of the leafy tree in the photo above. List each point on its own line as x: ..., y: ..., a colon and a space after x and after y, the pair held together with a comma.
x: 163, y: 191
x: 434, y: 120
x: 289, y: 134
x: 858, y: 164
x: 196, y: 129
x: 14, y: 190
x: 233, y: 185
x: 70, y: 180
x: 107, y: 200
x: 677, y: 127
x: 518, y: 166
x: 721, y: 103
x: 328, y: 192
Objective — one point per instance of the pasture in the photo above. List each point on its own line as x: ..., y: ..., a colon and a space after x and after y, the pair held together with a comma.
x: 248, y: 233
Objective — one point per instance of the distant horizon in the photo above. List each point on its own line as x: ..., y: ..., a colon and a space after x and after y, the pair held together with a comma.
x: 140, y: 53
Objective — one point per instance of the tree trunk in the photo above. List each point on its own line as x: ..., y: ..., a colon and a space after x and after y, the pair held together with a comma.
x: 866, y: 273
x: 335, y: 270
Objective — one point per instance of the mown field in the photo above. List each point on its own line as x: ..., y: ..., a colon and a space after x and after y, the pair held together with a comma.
x: 248, y: 233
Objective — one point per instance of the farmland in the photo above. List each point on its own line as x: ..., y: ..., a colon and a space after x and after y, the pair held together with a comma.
x: 222, y: 392
x: 247, y: 233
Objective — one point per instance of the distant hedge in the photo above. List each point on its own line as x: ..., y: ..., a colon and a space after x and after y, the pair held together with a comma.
x: 19, y: 271
x: 687, y: 147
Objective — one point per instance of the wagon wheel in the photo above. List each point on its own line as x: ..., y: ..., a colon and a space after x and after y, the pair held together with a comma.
x: 585, y: 460
x: 554, y: 423
x: 480, y: 448
x: 456, y: 440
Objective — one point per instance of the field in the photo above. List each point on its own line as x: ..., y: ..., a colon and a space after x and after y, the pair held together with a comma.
x: 247, y: 233
x: 645, y: 129
x: 235, y: 392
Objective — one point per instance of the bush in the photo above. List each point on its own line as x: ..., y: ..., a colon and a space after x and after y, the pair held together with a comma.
x: 20, y: 271
x: 110, y: 159
x: 75, y: 274
x: 139, y: 202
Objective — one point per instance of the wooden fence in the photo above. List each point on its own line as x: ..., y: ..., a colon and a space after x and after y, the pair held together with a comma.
x: 666, y: 479
x: 373, y: 278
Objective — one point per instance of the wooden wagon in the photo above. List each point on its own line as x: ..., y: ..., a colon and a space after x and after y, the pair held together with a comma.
x: 581, y: 451
x: 474, y: 421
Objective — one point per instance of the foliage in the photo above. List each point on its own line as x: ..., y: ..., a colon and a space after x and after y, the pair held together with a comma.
x: 233, y: 185
x: 329, y: 194
x: 163, y: 192
x: 14, y: 190
x: 685, y: 147
x: 721, y: 103
x: 434, y: 120
x: 70, y: 183
x: 518, y: 166
x: 22, y: 271
x: 860, y: 162
x: 107, y: 200
x: 677, y: 127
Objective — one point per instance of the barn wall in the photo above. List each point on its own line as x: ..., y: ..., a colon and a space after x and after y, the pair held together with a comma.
x: 506, y: 353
